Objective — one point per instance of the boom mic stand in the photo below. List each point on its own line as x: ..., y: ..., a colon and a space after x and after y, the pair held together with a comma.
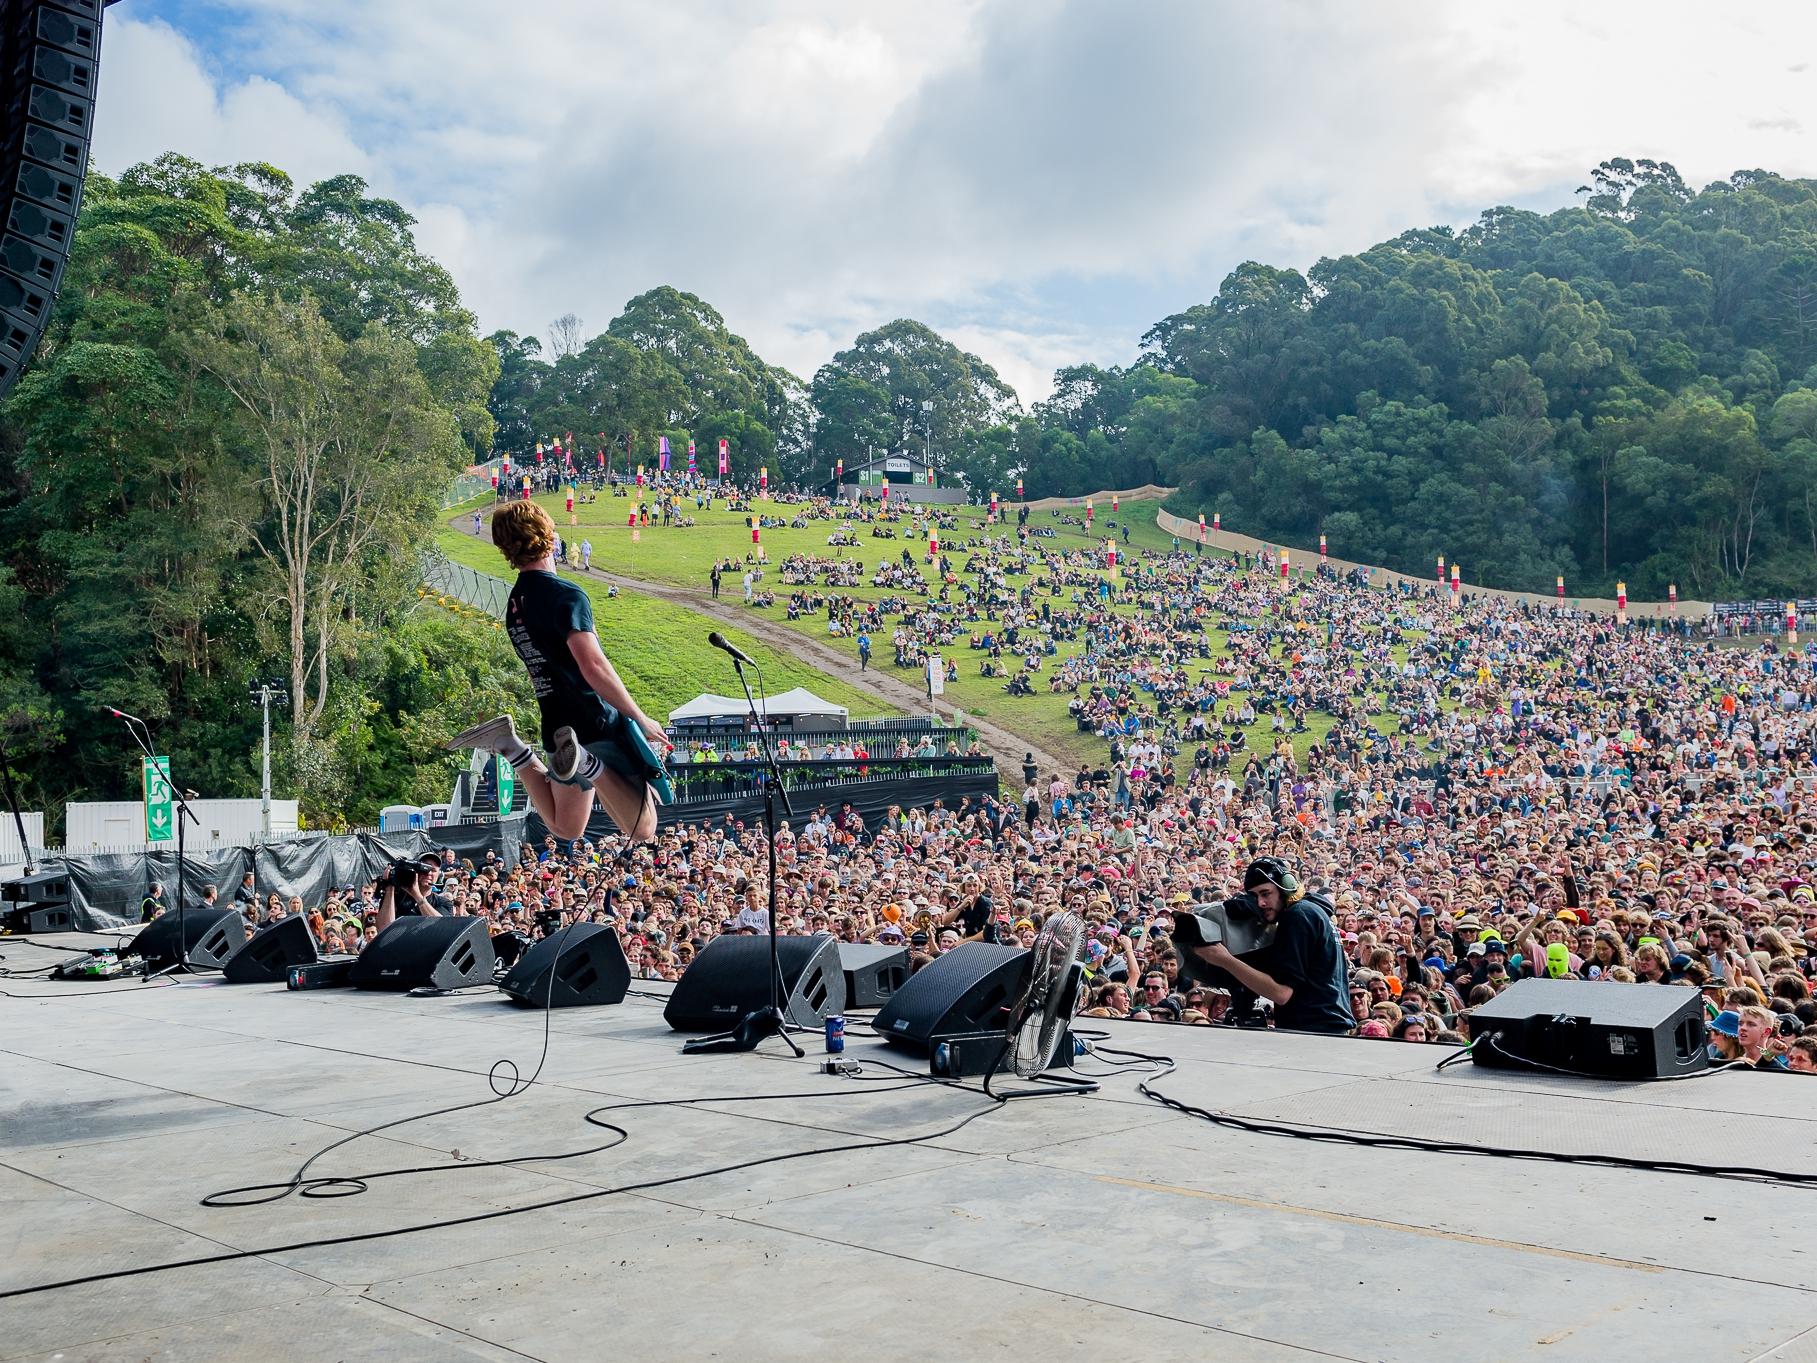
x: 142, y: 736
x: 756, y: 1027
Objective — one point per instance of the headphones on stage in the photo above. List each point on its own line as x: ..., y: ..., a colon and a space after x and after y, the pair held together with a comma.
x: 1273, y: 871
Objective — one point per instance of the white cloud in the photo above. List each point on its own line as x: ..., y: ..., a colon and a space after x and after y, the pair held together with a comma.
x: 813, y: 168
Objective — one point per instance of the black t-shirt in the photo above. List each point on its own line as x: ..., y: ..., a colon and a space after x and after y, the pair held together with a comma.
x: 542, y: 612
x: 979, y: 916
x: 1307, y: 957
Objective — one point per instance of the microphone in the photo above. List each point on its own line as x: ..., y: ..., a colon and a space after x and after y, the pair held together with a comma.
x: 718, y: 641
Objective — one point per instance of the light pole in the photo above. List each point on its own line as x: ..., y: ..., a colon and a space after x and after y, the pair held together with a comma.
x: 264, y: 692
x: 927, y: 431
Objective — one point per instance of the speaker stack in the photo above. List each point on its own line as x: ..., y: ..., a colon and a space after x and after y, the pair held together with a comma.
x: 49, y: 54
x: 731, y: 977
x: 581, y: 965
x: 427, y: 953
x: 39, y: 903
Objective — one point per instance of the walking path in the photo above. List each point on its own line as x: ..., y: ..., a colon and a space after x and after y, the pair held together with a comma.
x: 1005, y: 748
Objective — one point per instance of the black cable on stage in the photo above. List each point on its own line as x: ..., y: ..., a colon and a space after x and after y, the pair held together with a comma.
x: 1333, y: 1135
x: 502, y: 1077
x: 136, y: 988
x: 884, y: 1143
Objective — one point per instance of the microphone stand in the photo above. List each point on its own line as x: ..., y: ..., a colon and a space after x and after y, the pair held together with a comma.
x: 142, y: 736
x: 756, y: 1027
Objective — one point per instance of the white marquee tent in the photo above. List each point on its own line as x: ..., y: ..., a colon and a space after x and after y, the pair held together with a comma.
x: 785, y: 709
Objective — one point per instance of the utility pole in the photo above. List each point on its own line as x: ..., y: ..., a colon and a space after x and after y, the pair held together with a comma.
x: 265, y: 692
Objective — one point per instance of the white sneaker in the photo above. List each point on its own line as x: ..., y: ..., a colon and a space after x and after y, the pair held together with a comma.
x: 566, y: 756
x: 495, y: 735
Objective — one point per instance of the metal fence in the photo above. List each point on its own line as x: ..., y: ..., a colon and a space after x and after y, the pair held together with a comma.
x: 466, y: 486
x: 716, y: 780
x: 482, y: 591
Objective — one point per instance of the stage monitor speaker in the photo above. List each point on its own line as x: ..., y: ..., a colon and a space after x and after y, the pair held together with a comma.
x: 872, y: 973
x: 1591, y: 1027
x: 964, y: 993
x: 427, y: 953
x: 581, y: 965
x: 731, y: 977
x: 212, y: 936
x: 49, y: 55
x: 271, y: 951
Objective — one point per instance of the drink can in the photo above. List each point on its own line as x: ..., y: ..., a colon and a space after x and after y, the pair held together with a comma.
x: 835, y: 1034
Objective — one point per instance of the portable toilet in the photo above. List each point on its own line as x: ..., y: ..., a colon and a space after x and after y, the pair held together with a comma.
x: 400, y: 818
x: 437, y: 816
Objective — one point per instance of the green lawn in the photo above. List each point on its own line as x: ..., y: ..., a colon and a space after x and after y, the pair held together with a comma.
x: 684, y: 556
x: 662, y: 651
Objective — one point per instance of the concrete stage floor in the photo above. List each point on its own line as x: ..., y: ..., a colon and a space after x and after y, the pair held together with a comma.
x: 1078, y: 1228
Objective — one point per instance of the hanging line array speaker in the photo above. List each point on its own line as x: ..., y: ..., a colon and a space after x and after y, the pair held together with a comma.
x: 49, y: 57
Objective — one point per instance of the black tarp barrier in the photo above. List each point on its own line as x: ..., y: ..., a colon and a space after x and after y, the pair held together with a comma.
x: 872, y: 799
x: 106, y: 888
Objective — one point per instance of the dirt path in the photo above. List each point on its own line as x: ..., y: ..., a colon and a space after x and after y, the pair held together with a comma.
x: 1004, y: 747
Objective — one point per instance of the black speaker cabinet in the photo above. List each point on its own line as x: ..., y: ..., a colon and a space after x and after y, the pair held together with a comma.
x: 872, y: 973
x: 966, y: 992
x: 427, y: 953
x: 731, y: 978
x: 271, y: 951
x: 49, y: 54
x: 583, y: 964
x: 1594, y: 1027
x: 212, y: 935
x: 43, y: 889
x: 41, y: 919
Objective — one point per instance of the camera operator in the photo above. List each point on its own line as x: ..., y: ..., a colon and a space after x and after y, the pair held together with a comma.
x: 1302, y: 971
x: 405, y: 889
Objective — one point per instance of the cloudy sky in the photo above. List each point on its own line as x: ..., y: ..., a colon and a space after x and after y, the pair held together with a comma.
x: 1040, y: 180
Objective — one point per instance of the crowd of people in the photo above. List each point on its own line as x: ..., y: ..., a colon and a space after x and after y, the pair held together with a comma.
x: 1470, y: 791
x: 1491, y: 792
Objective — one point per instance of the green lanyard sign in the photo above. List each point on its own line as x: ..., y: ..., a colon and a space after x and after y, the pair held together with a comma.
x: 160, y: 821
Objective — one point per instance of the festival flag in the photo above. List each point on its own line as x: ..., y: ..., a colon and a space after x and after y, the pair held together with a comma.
x: 725, y: 459
x: 640, y: 475
x: 1791, y: 624
x: 1018, y: 487
x: 1115, y: 502
x: 1456, y: 585
x: 763, y: 479
x: 692, y: 470
x: 1671, y: 597
x: 662, y: 453
x: 1283, y: 567
x: 1201, y: 527
x: 1621, y: 603
x: 1321, y: 549
x: 539, y: 451
x: 1217, y: 522
x: 1561, y: 586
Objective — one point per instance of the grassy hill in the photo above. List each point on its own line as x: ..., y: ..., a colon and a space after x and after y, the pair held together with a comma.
x: 660, y: 646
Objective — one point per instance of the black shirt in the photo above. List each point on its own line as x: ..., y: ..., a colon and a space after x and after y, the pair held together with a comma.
x: 979, y: 916
x: 1307, y: 957
x: 542, y: 612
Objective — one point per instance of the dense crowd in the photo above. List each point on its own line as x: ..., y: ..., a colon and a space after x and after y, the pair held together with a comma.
x: 1481, y: 791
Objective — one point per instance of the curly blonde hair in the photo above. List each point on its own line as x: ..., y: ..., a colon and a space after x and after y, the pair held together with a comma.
x: 523, y: 533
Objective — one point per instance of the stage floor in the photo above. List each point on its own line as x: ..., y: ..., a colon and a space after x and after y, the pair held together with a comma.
x: 1081, y: 1227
